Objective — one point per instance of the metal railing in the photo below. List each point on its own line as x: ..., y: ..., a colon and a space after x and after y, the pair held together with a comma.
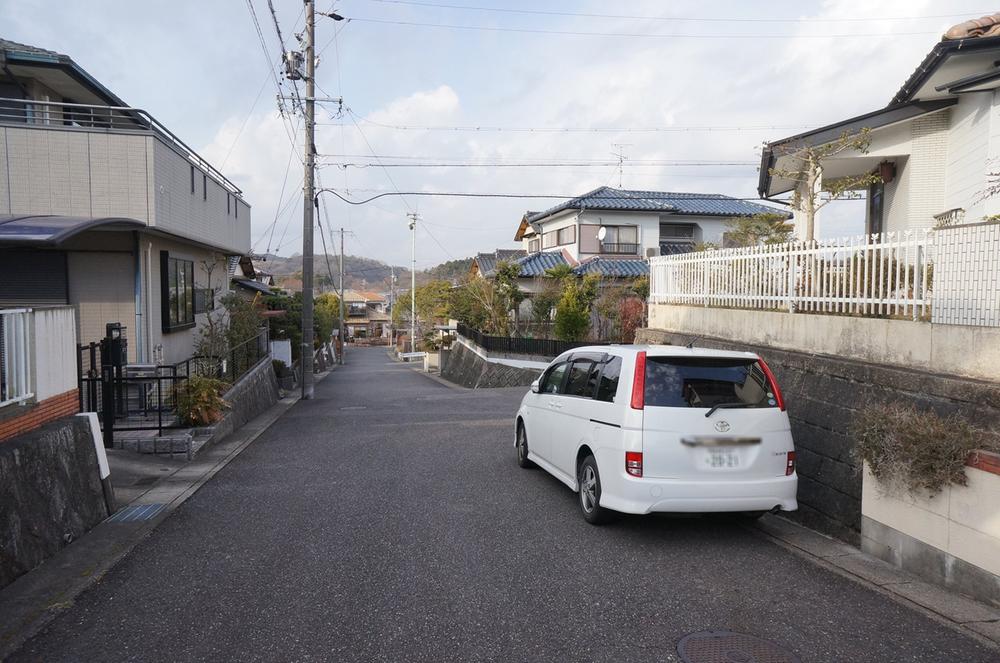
x: 89, y: 117
x: 620, y: 248
x: 15, y: 356
x: 881, y: 275
x: 539, y: 347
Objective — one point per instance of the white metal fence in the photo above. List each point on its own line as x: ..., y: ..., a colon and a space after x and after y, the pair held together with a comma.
x: 967, y: 275
x: 15, y: 356
x: 874, y: 275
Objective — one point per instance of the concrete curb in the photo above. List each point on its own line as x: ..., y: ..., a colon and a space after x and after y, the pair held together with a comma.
x: 32, y: 601
x: 965, y: 615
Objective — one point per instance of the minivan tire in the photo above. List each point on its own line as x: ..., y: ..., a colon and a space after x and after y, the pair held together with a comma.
x: 522, y: 448
x: 589, y: 480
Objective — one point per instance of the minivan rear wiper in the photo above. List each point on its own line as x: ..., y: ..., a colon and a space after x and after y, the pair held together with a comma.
x: 718, y: 406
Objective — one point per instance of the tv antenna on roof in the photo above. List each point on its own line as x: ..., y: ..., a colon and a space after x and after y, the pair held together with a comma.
x: 622, y: 158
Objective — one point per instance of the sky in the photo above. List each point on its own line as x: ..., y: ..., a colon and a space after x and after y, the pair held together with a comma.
x: 664, y: 83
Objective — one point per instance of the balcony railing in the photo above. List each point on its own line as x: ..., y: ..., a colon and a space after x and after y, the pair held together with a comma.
x: 60, y: 115
x: 15, y: 356
x: 620, y: 248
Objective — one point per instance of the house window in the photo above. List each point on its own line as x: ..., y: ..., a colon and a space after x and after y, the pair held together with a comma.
x: 236, y: 207
x: 534, y: 245
x: 228, y: 204
x: 204, y: 187
x: 621, y: 240
x: 670, y: 231
x: 548, y: 240
x: 177, y: 292
x: 204, y: 300
x: 876, y: 207
x: 192, y: 179
x: 567, y: 235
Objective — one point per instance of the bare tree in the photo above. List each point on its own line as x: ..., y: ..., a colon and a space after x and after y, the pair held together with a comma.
x: 807, y: 174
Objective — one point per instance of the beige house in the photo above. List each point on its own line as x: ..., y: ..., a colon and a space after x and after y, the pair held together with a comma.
x: 103, y: 208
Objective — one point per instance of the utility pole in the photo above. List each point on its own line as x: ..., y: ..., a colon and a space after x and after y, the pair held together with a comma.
x: 307, y: 207
x: 413, y: 280
x: 343, y: 340
x: 392, y: 301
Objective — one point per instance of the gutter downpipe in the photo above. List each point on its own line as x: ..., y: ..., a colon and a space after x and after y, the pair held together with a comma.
x: 140, y: 326
x: 149, y: 300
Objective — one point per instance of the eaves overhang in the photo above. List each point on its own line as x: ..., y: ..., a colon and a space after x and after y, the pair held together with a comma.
x: 52, y: 230
x: 874, y: 120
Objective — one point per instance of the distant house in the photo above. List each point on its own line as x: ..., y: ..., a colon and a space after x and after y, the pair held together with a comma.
x: 934, y: 144
x: 366, y: 314
x: 104, y: 209
x: 485, y: 264
x: 637, y: 224
x: 247, y: 282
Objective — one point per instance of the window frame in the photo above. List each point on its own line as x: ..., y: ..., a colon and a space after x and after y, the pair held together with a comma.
x: 173, y: 318
x: 192, y: 180
x: 204, y: 186
x: 548, y: 372
x: 604, y: 364
x: 583, y: 359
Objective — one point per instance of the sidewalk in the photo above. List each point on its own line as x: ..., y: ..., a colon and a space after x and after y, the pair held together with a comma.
x: 150, y: 495
x: 961, y: 613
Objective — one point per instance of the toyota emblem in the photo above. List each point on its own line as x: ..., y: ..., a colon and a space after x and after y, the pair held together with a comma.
x: 722, y: 426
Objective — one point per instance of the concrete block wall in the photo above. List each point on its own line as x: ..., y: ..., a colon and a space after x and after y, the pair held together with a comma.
x: 824, y: 392
x: 252, y: 394
x: 464, y: 367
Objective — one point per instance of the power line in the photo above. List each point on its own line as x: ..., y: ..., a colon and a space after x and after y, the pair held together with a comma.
x: 582, y: 164
x: 538, y: 12
x: 556, y: 130
x: 455, y: 194
x: 638, y: 35
x: 535, y: 160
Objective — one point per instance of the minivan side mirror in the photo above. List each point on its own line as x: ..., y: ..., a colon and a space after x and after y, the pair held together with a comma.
x: 535, y: 387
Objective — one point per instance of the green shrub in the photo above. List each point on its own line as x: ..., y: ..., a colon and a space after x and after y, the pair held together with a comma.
x: 200, y: 403
x: 280, y: 368
x: 913, y: 450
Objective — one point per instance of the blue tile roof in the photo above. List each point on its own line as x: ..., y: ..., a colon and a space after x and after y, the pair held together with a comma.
x: 536, y: 263
x: 612, y: 267
x: 693, y: 204
x: 487, y: 262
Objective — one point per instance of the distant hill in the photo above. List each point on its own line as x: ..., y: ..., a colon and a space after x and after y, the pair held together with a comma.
x: 360, y: 273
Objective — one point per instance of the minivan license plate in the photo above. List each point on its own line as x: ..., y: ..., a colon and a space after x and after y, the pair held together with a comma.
x: 723, y: 458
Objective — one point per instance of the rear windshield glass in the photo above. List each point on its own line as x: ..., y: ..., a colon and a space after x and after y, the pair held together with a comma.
x: 706, y: 382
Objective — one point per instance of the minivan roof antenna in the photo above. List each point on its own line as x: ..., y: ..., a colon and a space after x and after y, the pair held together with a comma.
x: 693, y: 341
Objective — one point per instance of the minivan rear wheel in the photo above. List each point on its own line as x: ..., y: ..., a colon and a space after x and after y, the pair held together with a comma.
x: 589, y: 480
x: 522, y: 448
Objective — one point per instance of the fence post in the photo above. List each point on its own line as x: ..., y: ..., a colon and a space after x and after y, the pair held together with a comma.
x: 918, y: 280
x: 108, y: 405
x: 791, y: 282
x: 704, y: 282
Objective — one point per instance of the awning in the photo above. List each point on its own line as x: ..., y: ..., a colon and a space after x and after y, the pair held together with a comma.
x: 52, y: 230
x: 255, y: 286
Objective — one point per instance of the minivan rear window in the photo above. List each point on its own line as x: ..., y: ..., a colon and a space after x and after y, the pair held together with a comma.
x: 706, y: 382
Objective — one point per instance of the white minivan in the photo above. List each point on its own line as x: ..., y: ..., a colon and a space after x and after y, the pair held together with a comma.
x: 660, y: 428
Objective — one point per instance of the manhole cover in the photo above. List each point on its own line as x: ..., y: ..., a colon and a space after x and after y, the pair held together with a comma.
x: 728, y: 647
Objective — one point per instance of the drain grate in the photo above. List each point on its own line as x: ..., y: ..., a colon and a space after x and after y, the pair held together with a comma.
x: 728, y: 647
x: 137, y: 513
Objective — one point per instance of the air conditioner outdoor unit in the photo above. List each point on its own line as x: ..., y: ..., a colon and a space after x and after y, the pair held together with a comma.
x: 652, y: 252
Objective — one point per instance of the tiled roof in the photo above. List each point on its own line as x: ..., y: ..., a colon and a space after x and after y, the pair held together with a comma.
x: 487, y: 262
x: 7, y: 45
x: 694, y: 204
x: 613, y: 267
x: 537, y: 263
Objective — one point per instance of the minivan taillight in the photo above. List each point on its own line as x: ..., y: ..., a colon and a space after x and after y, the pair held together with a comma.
x: 790, y: 464
x: 633, y: 463
x: 772, y: 383
x: 639, y: 384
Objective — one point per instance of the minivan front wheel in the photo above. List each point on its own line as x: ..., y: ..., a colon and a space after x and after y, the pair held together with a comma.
x: 522, y: 448
x: 589, y: 479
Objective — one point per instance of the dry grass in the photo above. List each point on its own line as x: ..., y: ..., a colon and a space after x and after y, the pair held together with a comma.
x: 913, y: 450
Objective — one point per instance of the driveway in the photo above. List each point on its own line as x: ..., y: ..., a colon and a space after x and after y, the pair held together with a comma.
x: 386, y: 520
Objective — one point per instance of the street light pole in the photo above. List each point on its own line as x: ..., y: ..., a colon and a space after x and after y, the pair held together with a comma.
x: 413, y: 280
x: 307, y: 207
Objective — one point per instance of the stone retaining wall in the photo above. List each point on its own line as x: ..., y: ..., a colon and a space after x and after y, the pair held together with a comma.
x: 252, y: 394
x: 50, y: 493
x: 823, y: 394
x: 465, y: 367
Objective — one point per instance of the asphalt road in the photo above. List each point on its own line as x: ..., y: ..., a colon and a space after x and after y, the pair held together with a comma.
x: 386, y: 520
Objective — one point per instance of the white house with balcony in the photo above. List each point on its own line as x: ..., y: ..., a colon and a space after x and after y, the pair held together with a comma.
x: 637, y: 224
x: 104, y: 209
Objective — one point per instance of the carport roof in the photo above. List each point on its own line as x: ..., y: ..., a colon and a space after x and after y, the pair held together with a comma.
x: 52, y: 230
